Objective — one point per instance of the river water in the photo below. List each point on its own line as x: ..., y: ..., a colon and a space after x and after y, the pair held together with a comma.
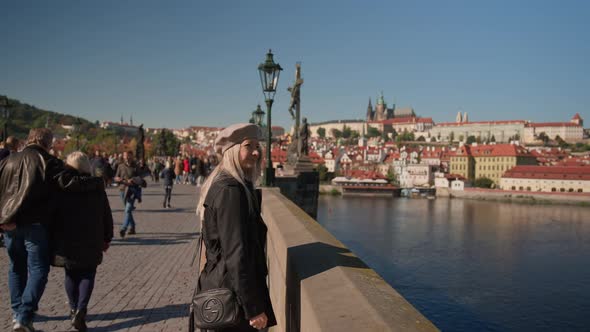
x: 474, y: 265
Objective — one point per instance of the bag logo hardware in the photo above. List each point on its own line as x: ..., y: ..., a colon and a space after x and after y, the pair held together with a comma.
x: 212, y: 310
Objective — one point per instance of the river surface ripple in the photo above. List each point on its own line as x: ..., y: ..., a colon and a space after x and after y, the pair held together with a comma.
x: 474, y: 265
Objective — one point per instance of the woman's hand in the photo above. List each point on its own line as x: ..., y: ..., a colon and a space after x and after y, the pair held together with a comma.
x: 259, y: 322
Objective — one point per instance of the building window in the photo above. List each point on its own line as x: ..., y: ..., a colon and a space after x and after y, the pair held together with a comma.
x: 553, y: 189
x: 528, y: 188
x: 562, y: 190
x: 571, y: 190
x: 513, y: 188
x: 520, y: 188
x: 580, y: 190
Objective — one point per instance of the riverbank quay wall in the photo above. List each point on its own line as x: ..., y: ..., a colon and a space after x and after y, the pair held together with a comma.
x: 317, y: 284
x: 517, y: 196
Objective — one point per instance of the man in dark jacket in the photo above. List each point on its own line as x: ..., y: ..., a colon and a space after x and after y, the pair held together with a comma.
x: 25, y: 188
x: 10, y: 147
x: 100, y: 167
x: 126, y: 171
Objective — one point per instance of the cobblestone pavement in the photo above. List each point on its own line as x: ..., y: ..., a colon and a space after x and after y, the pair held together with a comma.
x: 145, y: 281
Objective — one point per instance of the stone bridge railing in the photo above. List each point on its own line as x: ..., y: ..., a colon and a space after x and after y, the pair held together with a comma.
x: 317, y: 284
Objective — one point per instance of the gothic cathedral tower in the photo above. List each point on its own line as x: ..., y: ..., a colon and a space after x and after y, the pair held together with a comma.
x: 380, y: 109
x: 370, y: 114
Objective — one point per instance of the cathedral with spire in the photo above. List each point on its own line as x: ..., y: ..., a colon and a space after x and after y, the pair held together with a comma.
x: 381, y: 112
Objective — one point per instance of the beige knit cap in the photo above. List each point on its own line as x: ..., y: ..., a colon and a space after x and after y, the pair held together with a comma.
x: 236, y: 134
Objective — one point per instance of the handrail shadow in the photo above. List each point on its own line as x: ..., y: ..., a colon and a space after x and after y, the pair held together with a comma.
x: 308, y: 260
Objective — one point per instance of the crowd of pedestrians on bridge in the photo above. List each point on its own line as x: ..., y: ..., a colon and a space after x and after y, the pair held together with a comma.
x: 57, y: 213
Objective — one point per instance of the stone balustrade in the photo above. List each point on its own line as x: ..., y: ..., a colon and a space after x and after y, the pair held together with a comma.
x: 317, y: 284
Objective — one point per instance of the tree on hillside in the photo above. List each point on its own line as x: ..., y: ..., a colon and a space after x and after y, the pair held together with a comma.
x: 452, y: 137
x: 405, y: 137
x: 105, y: 140
x: 393, y: 133
x: 346, y: 132
x: 483, y: 182
x: 493, y: 139
x: 471, y: 139
x: 166, y: 144
x: 391, y: 178
x: 543, y: 137
x: 321, y: 132
x: 373, y: 132
x: 336, y: 133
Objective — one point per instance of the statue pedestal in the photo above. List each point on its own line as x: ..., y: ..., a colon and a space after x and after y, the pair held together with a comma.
x: 302, y: 164
x: 301, y: 184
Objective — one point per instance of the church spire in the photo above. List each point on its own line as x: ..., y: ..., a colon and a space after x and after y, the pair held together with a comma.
x: 370, y: 111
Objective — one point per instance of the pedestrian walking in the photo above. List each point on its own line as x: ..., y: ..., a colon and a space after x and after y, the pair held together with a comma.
x: 168, y: 177
x: 126, y: 171
x: 10, y: 146
x: 158, y: 167
x: 178, y: 165
x: 26, y: 186
x: 233, y: 231
x: 185, y: 170
x: 82, y: 230
x: 99, y: 166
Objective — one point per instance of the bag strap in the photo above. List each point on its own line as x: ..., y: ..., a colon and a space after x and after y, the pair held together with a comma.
x: 200, y: 245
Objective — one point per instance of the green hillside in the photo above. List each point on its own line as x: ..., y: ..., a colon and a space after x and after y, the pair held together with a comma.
x: 23, y: 117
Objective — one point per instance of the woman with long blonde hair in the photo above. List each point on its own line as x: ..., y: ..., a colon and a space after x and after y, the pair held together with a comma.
x: 233, y: 231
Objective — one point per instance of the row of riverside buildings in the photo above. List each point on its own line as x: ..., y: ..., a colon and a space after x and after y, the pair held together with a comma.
x: 507, y: 155
x: 510, y: 154
x: 397, y: 120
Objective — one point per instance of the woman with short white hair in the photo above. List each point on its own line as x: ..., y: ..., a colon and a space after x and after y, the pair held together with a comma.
x: 82, y: 230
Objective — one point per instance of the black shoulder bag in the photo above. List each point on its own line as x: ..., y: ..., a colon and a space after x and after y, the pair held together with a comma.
x: 214, y: 308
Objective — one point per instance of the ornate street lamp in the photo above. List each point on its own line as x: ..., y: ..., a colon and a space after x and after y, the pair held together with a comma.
x: 269, y: 78
x: 77, y: 133
x: 257, y: 116
x: 5, y: 116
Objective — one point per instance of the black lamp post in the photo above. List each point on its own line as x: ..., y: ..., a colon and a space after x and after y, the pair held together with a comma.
x: 6, y: 116
x: 257, y: 116
x: 269, y: 78
x: 77, y: 133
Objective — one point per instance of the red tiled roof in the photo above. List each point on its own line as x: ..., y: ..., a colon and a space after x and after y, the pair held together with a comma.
x: 464, y: 150
x: 431, y: 154
x: 499, y: 150
x: 549, y: 172
x: 360, y: 174
x: 454, y: 176
x: 577, y: 117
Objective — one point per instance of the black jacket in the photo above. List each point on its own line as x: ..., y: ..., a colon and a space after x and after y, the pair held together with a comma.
x: 168, y: 176
x: 83, y: 221
x: 26, y: 184
x: 235, y: 239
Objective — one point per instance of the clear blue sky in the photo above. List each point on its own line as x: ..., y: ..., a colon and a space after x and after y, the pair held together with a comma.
x: 179, y: 63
